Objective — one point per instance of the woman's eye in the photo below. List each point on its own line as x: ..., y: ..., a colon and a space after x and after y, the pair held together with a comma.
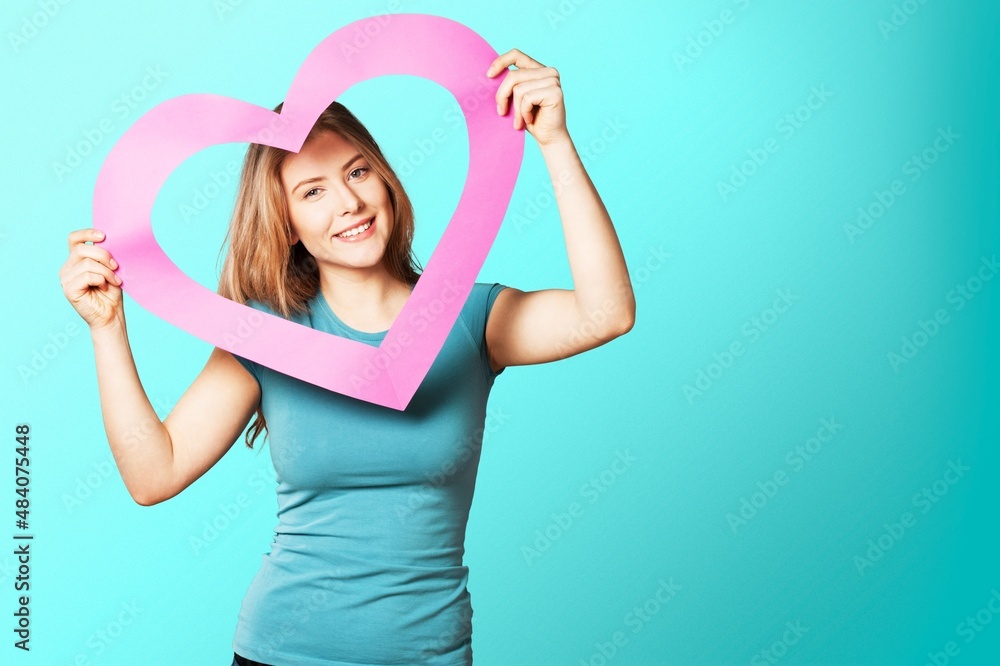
x: 361, y: 169
x: 311, y: 192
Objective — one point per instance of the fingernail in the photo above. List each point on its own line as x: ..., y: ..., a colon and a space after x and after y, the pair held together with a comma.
x: 114, y: 264
x: 499, y: 110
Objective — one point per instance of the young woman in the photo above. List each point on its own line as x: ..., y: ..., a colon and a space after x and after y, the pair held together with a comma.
x: 366, y: 562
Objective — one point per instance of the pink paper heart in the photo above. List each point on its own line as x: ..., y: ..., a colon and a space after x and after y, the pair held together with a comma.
x: 431, y: 47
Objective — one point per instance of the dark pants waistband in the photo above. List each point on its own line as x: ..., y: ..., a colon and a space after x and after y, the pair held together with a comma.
x: 243, y: 661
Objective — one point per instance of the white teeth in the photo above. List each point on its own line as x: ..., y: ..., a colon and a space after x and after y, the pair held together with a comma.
x: 356, y: 230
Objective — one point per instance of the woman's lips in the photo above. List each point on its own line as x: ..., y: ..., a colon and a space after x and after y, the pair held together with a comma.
x: 367, y: 233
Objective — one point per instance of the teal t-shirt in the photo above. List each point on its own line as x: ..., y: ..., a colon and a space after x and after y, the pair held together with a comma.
x: 366, y: 564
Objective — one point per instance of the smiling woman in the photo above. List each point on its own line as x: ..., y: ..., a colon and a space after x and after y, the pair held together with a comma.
x: 366, y: 564
x: 290, y: 205
x: 352, y: 199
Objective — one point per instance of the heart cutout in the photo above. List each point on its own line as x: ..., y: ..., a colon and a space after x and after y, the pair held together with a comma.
x: 423, y: 45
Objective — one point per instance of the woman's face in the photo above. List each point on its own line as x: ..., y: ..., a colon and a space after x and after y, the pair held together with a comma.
x: 331, y: 189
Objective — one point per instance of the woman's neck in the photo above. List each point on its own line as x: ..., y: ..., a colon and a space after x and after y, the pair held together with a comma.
x: 366, y: 301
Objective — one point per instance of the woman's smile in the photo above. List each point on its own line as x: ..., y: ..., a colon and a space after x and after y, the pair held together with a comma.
x: 358, y: 232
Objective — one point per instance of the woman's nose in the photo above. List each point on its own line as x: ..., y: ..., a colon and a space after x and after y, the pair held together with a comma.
x: 348, y: 200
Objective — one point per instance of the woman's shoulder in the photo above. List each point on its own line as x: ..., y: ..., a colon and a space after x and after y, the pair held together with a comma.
x: 480, y: 302
x: 482, y: 294
x: 484, y: 288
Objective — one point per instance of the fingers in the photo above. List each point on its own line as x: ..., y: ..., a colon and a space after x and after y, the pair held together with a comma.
x: 87, y: 265
x: 520, y: 77
x: 84, y: 235
x: 82, y: 282
x: 526, y: 96
x: 528, y: 69
x: 93, y: 271
x: 513, y: 57
x: 88, y: 278
x: 78, y: 249
x: 98, y: 254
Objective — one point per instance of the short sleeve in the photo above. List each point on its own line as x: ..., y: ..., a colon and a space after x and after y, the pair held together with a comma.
x: 252, y: 367
x: 490, y: 298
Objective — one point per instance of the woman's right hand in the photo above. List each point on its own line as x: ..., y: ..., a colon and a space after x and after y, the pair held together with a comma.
x: 89, y: 281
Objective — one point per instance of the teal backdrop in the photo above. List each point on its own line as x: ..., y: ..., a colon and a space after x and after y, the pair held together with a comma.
x: 791, y: 458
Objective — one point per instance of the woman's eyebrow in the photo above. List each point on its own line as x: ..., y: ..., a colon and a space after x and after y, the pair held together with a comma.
x: 351, y: 161
x: 314, y: 179
x: 319, y: 178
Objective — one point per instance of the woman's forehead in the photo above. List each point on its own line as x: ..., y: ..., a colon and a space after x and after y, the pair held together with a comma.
x: 324, y: 150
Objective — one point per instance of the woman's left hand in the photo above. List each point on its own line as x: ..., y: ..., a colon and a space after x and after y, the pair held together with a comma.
x: 538, y: 99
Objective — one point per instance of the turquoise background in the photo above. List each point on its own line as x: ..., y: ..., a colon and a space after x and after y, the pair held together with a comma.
x: 114, y: 582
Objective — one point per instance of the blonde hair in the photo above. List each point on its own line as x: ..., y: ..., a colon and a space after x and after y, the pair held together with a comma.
x: 263, y: 265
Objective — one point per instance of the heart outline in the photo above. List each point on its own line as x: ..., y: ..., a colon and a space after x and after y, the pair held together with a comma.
x: 423, y: 45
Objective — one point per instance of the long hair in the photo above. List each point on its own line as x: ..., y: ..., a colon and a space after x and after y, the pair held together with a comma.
x: 263, y: 265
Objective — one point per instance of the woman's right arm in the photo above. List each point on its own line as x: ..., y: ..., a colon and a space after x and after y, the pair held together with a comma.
x: 156, y: 459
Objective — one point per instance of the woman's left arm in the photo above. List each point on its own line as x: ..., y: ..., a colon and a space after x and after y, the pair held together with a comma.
x: 551, y: 324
